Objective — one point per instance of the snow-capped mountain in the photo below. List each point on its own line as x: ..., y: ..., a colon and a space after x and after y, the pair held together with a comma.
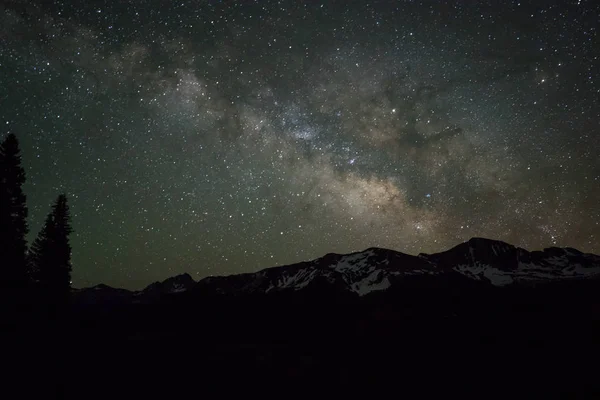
x: 103, y: 294
x: 376, y: 269
x: 175, y: 284
x: 478, y: 260
x: 361, y: 273
x: 503, y: 264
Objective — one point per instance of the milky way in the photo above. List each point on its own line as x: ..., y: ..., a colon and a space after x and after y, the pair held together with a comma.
x: 219, y: 137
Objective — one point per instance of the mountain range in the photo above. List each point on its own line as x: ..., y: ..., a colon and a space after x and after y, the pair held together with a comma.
x: 482, y: 261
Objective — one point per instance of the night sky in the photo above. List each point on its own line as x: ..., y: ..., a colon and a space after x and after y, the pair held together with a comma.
x: 218, y: 137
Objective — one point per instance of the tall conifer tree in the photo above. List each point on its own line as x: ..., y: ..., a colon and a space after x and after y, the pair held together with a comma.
x: 13, y: 217
x: 50, y: 255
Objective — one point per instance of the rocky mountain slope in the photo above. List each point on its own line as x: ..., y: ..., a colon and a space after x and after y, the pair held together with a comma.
x: 104, y: 294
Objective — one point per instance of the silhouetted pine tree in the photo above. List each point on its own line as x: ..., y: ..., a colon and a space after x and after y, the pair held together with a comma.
x: 40, y: 252
x: 13, y: 217
x: 50, y: 255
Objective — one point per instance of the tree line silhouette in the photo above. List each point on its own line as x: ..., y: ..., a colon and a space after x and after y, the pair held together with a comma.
x: 40, y: 273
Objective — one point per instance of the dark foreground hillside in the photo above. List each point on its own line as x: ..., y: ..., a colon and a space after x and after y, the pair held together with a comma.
x: 421, y: 339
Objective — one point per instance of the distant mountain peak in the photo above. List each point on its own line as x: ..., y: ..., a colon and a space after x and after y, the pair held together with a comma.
x: 484, y: 240
x: 182, y: 278
x: 485, y: 244
x: 175, y: 284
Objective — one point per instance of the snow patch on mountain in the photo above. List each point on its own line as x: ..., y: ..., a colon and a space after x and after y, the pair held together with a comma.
x: 578, y: 269
x: 479, y: 271
x: 178, y: 288
x: 297, y: 281
x: 376, y: 280
x: 353, y: 262
x: 362, y: 273
x: 525, y: 272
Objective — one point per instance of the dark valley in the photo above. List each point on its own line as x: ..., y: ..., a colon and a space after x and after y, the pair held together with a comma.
x: 484, y: 318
